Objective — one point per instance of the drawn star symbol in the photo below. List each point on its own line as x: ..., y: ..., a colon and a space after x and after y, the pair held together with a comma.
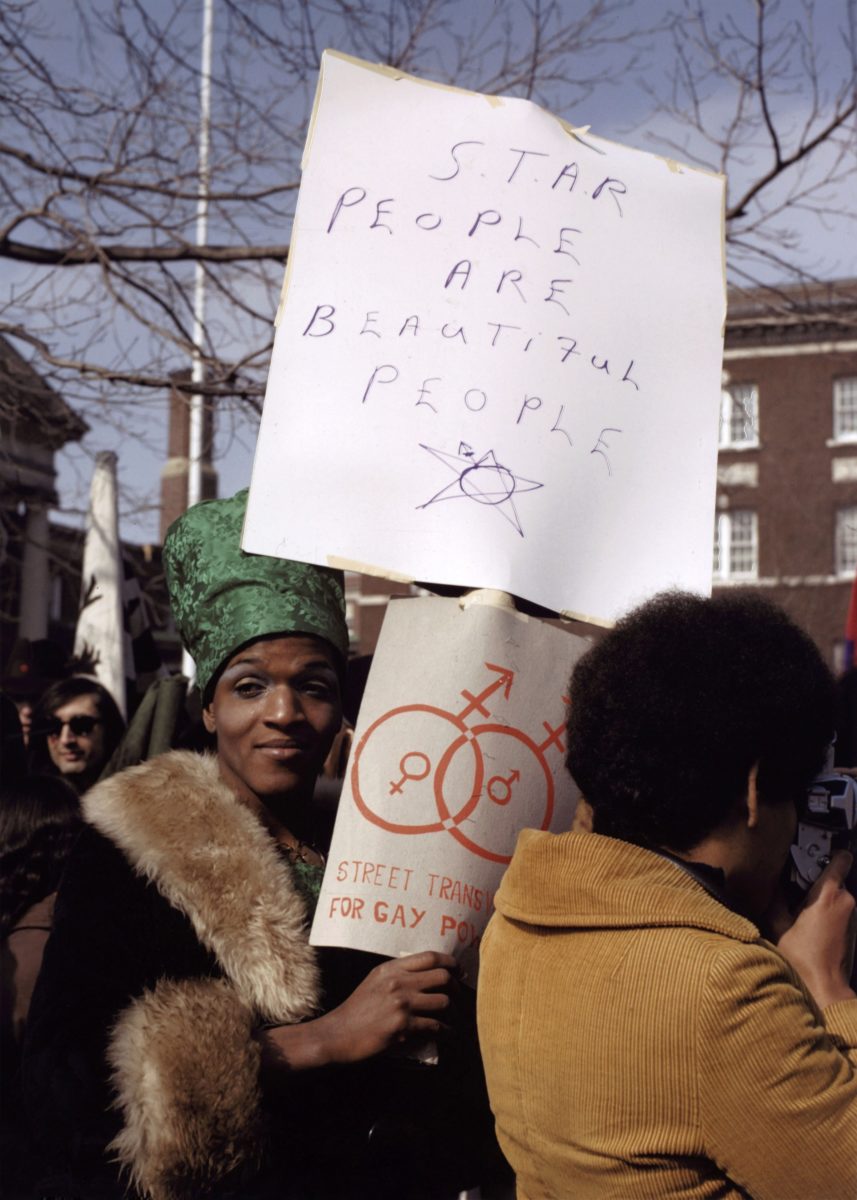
x: 483, y: 480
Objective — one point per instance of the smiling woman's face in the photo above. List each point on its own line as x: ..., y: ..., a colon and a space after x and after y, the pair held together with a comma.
x: 275, y: 711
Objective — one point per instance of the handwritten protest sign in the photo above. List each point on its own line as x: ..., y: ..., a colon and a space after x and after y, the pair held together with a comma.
x: 460, y: 744
x: 498, y: 355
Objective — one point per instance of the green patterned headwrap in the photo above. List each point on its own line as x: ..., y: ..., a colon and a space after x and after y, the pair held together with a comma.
x: 223, y: 598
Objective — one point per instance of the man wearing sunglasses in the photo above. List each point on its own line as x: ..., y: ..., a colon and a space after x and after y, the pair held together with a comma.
x: 76, y: 728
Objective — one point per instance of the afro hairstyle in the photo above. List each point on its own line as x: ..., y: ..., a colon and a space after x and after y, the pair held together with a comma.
x: 672, y: 709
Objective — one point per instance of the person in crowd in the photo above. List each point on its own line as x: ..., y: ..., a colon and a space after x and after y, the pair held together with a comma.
x: 641, y: 1037
x: 76, y: 726
x: 39, y: 822
x: 32, y: 667
x: 182, y: 1020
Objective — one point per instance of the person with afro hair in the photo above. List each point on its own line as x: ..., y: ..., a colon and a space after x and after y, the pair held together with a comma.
x: 641, y: 1034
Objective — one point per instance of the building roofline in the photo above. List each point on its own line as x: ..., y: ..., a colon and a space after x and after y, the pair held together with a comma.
x: 804, y: 312
x: 26, y: 399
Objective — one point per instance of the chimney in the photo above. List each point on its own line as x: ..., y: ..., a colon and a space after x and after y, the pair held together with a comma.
x: 174, y: 473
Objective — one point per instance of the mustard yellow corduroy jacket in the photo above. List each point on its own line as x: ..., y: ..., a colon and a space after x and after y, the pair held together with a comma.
x: 640, y: 1039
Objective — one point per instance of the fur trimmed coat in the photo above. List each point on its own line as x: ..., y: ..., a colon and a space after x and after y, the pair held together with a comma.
x: 179, y: 930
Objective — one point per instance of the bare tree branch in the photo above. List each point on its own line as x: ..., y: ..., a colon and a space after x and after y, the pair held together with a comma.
x: 76, y: 256
x: 99, y: 172
x: 757, y: 100
x: 106, y: 180
x: 226, y: 385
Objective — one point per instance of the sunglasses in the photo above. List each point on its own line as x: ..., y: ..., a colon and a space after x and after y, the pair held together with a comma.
x: 80, y: 726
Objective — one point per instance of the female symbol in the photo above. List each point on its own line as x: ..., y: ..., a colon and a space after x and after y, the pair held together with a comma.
x: 416, y: 775
x: 376, y: 749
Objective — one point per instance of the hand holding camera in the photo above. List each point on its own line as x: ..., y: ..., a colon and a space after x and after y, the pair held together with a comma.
x: 820, y: 942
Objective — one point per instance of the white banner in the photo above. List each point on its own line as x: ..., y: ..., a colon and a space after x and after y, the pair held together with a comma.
x: 100, y: 632
x: 498, y: 355
x: 460, y: 744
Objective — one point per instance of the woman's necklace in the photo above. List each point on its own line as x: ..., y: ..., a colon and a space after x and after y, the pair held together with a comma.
x: 293, y: 847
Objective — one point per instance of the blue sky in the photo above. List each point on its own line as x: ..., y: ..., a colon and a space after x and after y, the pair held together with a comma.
x: 620, y: 107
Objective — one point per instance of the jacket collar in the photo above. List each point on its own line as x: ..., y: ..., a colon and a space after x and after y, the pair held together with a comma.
x: 586, y: 881
x: 181, y: 828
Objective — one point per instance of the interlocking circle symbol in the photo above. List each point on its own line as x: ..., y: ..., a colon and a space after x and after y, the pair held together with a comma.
x: 499, y: 791
x: 412, y: 766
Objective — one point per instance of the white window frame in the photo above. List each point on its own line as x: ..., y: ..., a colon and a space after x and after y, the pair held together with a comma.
x: 846, y: 541
x: 729, y: 555
x: 845, y: 409
x: 735, y: 396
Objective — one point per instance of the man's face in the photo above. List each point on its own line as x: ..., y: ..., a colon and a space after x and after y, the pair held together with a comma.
x: 276, y: 709
x: 76, y: 738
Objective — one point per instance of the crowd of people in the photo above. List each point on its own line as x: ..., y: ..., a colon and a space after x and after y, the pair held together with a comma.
x: 57, y: 737
x: 183, y: 1037
x: 652, y: 1020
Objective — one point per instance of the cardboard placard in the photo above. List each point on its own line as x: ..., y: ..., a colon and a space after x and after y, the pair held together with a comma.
x: 460, y: 744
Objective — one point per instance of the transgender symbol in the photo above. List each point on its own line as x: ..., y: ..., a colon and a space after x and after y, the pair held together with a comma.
x: 422, y: 769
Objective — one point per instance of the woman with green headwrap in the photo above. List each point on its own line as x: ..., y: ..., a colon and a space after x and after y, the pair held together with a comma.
x: 182, y: 1020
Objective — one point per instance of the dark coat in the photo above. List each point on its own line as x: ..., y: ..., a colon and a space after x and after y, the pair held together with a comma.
x: 21, y: 954
x: 180, y: 929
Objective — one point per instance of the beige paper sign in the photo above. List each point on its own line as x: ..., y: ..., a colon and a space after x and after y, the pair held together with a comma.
x: 460, y: 745
x: 503, y: 339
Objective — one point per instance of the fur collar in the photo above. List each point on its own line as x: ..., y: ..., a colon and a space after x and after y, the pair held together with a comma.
x: 179, y: 826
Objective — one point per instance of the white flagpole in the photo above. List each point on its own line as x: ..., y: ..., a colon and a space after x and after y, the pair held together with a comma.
x: 194, y: 479
x: 100, y: 629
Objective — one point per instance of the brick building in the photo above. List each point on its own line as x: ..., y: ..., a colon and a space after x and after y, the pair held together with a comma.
x: 366, y: 599
x: 40, y: 560
x: 35, y: 423
x: 786, y: 518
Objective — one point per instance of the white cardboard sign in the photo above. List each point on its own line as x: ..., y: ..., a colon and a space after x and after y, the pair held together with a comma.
x: 498, y: 355
x: 454, y: 753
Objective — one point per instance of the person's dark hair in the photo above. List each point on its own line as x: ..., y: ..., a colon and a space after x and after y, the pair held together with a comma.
x: 13, y: 753
x: 672, y: 709
x: 59, y: 694
x: 39, y: 823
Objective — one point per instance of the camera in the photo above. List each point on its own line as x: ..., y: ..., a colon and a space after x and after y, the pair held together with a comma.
x: 827, y: 822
